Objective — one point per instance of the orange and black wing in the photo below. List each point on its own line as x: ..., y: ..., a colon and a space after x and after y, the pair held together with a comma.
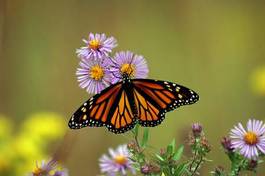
x: 154, y: 98
x: 110, y: 108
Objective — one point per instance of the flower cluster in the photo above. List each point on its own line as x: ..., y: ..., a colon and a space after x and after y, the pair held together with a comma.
x: 98, y: 69
x: 244, y: 147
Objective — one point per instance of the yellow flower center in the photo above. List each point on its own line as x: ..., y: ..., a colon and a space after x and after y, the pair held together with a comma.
x: 128, y: 69
x: 120, y: 159
x: 96, y: 72
x: 94, y: 44
x: 37, y: 172
x: 251, y: 138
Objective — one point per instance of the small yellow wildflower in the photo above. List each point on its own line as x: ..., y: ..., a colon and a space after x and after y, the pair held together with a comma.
x: 44, y: 126
x: 258, y: 81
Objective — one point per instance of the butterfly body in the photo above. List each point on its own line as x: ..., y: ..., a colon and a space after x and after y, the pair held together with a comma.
x: 122, y: 105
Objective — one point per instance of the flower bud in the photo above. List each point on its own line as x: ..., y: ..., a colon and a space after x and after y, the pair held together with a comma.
x: 149, y: 169
x: 145, y: 169
x: 226, y: 143
x: 196, y: 129
x: 132, y: 146
x: 252, y: 165
x: 205, y: 144
x: 162, y: 151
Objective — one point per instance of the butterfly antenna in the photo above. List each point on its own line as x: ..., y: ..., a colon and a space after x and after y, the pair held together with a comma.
x: 116, y: 76
x: 115, y: 66
x: 114, y: 62
x: 132, y: 59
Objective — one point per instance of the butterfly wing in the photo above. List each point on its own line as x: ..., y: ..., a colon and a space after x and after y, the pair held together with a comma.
x: 154, y: 98
x: 110, y: 108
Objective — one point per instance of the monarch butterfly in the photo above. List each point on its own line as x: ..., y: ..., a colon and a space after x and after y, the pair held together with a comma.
x: 122, y: 105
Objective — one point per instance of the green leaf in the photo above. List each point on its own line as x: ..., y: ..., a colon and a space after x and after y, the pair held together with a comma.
x: 177, y: 155
x: 141, y: 158
x: 260, y: 161
x: 181, y: 168
x: 145, y: 137
x: 159, y: 157
x: 173, y: 144
x: 171, y: 148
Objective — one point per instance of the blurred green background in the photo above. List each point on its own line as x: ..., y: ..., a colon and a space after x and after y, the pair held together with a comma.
x: 217, y: 48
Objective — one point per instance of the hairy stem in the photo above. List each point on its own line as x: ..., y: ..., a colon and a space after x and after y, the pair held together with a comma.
x: 193, y: 161
x: 197, y: 166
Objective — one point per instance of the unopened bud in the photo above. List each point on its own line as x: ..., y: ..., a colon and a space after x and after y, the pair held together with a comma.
x: 226, y: 143
x: 252, y: 165
x: 205, y: 144
x: 145, y: 169
x: 132, y: 146
x: 150, y: 169
x: 196, y: 129
x: 162, y: 151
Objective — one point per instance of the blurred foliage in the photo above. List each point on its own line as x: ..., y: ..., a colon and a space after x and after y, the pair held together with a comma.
x: 20, y: 149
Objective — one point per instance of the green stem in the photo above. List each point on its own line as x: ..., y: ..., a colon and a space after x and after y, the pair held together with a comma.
x: 235, y: 169
x: 139, y: 149
x: 194, y: 159
x: 197, y: 166
x: 136, y: 140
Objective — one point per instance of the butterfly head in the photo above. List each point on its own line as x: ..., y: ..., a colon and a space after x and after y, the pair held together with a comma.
x: 127, y: 71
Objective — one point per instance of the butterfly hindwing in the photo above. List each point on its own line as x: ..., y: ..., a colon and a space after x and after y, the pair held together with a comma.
x: 123, y: 118
x: 110, y: 108
x: 154, y: 98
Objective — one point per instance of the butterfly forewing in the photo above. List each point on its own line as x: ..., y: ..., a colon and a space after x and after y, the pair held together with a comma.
x: 94, y: 111
x: 154, y: 98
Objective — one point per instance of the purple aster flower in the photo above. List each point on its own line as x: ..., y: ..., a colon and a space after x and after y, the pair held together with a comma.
x: 97, y: 46
x: 93, y: 75
x: 126, y: 63
x: 46, y: 169
x: 249, y: 142
x: 61, y: 173
x: 118, y: 162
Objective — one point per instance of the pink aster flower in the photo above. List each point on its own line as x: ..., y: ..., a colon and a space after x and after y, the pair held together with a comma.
x: 251, y: 141
x: 126, y: 63
x: 118, y: 162
x: 97, y: 46
x: 93, y: 75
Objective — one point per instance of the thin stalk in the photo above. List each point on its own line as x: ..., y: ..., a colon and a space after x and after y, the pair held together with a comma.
x: 197, y: 166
